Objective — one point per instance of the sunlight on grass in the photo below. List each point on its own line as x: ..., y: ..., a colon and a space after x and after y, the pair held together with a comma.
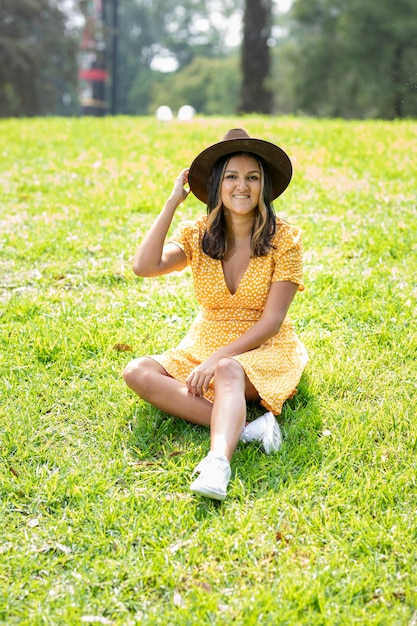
x: 97, y: 524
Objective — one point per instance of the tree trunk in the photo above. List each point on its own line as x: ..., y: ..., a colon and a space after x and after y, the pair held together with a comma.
x: 255, y: 96
x: 398, y: 95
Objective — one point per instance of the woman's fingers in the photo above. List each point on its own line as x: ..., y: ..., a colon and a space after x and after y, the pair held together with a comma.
x: 179, y: 191
x: 197, y: 382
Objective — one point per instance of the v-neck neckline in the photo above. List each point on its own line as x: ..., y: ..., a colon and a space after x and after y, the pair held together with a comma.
x: 240, y: 281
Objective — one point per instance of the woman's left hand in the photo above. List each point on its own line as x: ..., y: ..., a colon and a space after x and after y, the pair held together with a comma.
x: 199, y: 379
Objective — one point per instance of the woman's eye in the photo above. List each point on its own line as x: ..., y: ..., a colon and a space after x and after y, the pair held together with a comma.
x: 252, y: 177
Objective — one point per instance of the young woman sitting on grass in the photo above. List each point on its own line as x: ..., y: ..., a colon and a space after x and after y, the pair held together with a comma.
x: 247, y: 267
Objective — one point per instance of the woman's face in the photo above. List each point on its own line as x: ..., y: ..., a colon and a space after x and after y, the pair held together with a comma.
x: 241, y: 185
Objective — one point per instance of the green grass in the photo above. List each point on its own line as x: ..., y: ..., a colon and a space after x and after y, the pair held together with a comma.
x: 97, y: 524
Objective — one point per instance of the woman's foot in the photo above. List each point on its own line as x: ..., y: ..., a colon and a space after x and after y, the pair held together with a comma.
x: 264, y: 429
x: 214, y: 475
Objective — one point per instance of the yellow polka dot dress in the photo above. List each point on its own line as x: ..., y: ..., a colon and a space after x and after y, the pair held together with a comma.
x: 276, y: 366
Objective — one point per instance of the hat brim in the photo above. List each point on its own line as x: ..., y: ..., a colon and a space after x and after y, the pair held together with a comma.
x: 275, y: 159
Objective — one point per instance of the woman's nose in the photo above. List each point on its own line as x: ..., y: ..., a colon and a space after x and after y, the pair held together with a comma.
x: 242, y: 183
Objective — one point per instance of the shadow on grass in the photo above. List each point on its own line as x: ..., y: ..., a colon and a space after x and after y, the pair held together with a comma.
x: 156, y: 436
x: 300, y: 453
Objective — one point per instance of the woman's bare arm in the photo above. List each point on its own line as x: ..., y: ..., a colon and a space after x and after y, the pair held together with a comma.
x: 280, y: 296
x: 153, y: 257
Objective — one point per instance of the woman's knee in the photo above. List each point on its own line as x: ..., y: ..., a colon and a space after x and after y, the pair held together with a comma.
x: 135, y: 373
x: 229, y: 370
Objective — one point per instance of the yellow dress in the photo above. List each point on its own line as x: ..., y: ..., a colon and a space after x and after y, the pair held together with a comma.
x: 275, y: 367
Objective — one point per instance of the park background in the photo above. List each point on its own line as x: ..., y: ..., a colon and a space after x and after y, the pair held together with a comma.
x: 327, y: 58
x: 96, y: 521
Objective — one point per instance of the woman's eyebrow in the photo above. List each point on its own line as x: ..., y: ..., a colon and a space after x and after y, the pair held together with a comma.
x: 236, y: 172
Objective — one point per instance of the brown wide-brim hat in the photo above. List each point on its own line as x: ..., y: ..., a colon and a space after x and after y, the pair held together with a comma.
x: 237, y: 140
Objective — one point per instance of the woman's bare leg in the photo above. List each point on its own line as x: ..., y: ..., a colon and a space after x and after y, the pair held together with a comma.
x: 228, y: 416
x: 151, y: 382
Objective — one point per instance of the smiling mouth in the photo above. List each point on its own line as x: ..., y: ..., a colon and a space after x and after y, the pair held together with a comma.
x: 240, y: 197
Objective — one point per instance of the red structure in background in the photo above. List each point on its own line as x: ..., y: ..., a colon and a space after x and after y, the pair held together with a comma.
x: 93, y: 75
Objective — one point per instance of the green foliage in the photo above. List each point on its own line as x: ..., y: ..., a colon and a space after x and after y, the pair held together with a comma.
x: 354, y: 58
x: 330, y: 58
x: 96, y: 521
x: 182, y: 32
x: 37, y: 58
x: 211, y: 86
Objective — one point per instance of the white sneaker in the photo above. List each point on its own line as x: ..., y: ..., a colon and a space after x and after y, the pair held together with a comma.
x: 214, y: 475
x: 264, y: 429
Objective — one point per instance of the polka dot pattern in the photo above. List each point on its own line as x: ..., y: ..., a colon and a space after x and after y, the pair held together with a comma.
x: 276, y: 366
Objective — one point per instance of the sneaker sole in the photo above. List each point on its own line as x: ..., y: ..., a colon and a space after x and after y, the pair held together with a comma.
x: 207, y: 492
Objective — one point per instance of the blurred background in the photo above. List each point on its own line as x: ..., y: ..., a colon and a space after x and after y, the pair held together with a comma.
x: 326, y: 58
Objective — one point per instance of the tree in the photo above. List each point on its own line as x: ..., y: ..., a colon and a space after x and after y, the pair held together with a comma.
x: 37, y: 58
x: 149, y: 30
x: 355, y: 58
x: 381, y: 38
x: 256, y: 95
x: 211, y: 86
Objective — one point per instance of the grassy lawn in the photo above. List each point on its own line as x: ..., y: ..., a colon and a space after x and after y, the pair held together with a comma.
x: 97, y: 524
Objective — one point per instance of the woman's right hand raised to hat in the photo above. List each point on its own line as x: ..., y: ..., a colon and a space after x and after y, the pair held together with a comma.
x: 153, y: 257
x: 179, y: 193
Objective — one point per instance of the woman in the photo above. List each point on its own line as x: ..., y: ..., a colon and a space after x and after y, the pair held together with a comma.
x: 247, y: 267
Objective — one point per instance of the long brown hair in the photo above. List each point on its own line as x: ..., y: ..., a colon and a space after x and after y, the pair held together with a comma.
x: 214, y: 240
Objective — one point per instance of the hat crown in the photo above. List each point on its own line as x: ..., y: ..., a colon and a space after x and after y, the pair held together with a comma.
x: 236, y: 133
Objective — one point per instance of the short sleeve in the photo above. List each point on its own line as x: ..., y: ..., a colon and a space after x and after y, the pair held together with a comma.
x: 182, y: 238
x: 288, y: 255
x: 188, y: 237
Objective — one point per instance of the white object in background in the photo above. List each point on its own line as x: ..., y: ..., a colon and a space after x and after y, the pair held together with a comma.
x: 164, y: 113
x: 186, y: 113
